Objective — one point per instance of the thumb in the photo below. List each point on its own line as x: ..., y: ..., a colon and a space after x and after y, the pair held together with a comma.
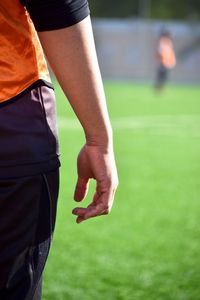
x: 81, y: 188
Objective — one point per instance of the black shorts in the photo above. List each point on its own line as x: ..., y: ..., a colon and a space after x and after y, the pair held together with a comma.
x: 28, y: 133
x: 27, y: 214
x: 29, y: 181
x: 162, y: 74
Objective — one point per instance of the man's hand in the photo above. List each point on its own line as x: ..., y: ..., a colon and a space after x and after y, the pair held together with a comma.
x: 72, y: 56
x: 98, y: 163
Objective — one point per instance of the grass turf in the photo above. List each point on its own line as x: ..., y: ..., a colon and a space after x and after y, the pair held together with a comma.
x: 148, y: 247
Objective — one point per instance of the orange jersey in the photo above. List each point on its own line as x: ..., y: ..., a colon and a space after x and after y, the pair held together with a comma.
x: 166, y: 53
x: 22, y: 60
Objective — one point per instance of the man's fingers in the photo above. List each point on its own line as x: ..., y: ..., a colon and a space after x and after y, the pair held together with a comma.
x: 87, y: 213
x: 81, y: 189
x: 96, y: 162
x: 82, y: 218
x: 79, y: 211
x: 101, y: 206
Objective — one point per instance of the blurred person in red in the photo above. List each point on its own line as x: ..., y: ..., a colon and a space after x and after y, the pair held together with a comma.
x: 166, y: 59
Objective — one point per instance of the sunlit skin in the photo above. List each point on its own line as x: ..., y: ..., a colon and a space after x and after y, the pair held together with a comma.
x: 72, y: 56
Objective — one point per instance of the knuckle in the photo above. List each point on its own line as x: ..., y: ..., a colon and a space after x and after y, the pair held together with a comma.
x: 106, y: 210
x: 109, y: 181
x: 113, y: 183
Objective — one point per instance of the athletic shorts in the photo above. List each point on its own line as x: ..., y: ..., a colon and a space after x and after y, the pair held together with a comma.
x: 29, y: 162
x: 162, y: 74
x: 28, y: 133
x: 27, y: 214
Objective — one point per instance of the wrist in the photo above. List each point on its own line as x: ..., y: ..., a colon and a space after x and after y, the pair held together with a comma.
x: 103, y: 139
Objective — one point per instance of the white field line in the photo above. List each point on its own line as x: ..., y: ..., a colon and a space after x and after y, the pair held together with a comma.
x: 172, y: 125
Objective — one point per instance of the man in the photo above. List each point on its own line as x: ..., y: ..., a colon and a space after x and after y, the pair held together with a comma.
x: 166, y: 58
x: 29, y: 156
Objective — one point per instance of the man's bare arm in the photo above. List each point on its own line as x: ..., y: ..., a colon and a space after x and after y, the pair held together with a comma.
x: 72, y: 56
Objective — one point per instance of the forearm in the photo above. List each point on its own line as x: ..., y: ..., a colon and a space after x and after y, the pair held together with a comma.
x: 72, y: 57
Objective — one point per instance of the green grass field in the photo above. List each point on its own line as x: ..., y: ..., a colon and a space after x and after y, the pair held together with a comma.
x: 148, y: 247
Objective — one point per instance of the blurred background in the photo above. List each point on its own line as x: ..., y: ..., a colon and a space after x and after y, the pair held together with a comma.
x: 126, y: 35
x: 148, y: 247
